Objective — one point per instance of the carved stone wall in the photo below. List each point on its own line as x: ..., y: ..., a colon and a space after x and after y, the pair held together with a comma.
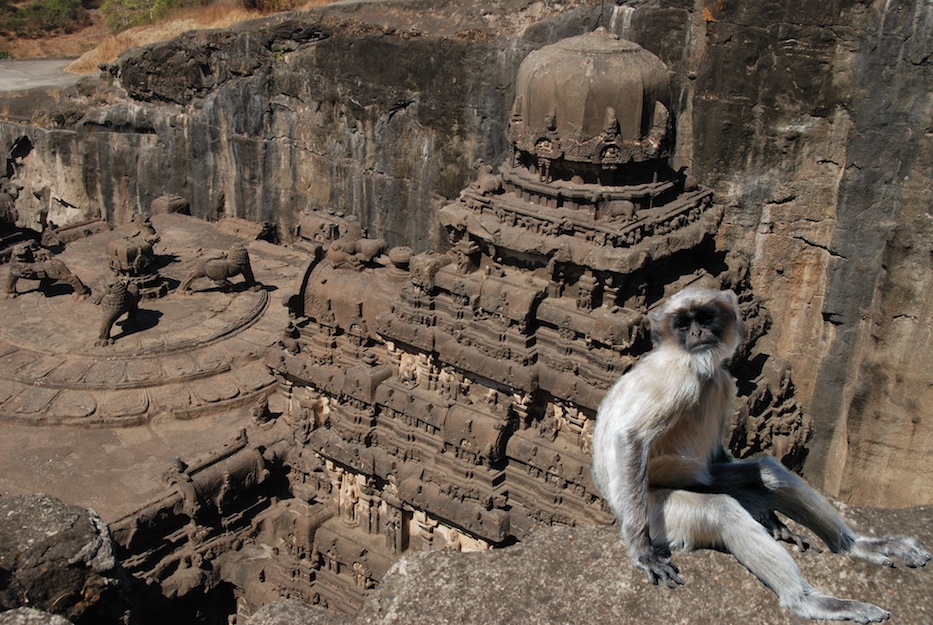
x: 447, y: 399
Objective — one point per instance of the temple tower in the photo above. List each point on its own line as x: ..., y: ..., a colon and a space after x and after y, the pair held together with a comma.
x: 446, y: 399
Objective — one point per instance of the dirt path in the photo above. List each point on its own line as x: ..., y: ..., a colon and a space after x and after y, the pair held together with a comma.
x: 18, y: 75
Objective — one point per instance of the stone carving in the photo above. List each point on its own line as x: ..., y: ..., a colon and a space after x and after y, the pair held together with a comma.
x: 461, y: 387
x: 353, y: 249
x: 29, y: 261
x: 234, y: 262
x: 118, y: 296
x: 487, y: 183
x: 131, y: 255
x: 556, y: 124
x: 440, y: 400
x: 133, y: 258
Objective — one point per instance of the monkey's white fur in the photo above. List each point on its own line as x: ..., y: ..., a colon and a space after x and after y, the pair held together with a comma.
x: 659, y: 461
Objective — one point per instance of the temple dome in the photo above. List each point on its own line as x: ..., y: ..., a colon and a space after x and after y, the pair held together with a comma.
x: 590, y: 97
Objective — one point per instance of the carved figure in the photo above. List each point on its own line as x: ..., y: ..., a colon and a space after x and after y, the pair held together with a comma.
x: 29, y: 261
x: 131, y: 255
x: 118, y: 296
x: 219, y: 268
x: 353, y: 249
x: 659, y: 460
x: 487, y: 183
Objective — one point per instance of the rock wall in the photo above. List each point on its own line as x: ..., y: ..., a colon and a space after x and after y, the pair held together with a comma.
x: 379, y: 111
x: 810, y: 120
x: 813, y: 121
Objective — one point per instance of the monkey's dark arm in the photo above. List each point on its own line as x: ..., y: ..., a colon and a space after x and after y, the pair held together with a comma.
x: 631, y: 495
x: 743, y: 481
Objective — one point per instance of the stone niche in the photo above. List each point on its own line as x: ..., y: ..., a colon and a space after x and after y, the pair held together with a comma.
x: 445, y: 400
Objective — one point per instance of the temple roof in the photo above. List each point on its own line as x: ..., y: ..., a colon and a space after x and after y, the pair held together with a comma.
x: 588, y: 86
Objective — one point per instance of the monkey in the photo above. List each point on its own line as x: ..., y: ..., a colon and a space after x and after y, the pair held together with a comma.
x: 661, y: 465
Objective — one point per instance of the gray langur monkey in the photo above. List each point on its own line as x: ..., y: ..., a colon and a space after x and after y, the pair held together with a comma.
x: 660, y: 463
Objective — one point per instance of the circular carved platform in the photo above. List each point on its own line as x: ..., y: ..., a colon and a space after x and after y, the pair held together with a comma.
x: 187, y: 355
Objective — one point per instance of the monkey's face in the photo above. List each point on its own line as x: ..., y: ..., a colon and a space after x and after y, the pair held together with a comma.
x: 699, y: 329
x: 699, y: 321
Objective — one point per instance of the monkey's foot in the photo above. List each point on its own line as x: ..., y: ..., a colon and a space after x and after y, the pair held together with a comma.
x: 883, y: 549
x: 659, y: 568
x: 781, y: 532
x: 817, y: 606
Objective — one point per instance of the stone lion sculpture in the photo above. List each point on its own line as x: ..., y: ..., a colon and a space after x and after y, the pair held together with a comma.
x: 219, y: 268
x: 29, y: 261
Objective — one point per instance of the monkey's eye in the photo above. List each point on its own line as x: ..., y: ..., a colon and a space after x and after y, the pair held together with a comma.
x: 682, y: 322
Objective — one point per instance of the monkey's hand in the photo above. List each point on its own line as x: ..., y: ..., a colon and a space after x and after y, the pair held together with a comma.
x: 784, y: 534
x: 884, y: 549
x: 658, y: 568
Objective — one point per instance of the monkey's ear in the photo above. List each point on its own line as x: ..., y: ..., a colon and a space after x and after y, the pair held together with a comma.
x: 655, y: 338
x: 655, y: 318
x: 739, y: 323
x: 732, y: 297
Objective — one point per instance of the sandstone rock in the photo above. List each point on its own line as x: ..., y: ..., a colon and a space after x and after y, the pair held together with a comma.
x: 56, y: 557
x: 30, y: 616
x: 562, y: 575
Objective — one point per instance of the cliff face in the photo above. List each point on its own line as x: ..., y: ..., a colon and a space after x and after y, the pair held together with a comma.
x: 811, y: 121
x: 378, y: 111
x: 814, y: 122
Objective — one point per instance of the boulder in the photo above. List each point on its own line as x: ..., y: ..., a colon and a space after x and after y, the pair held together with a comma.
x: 58, y: 558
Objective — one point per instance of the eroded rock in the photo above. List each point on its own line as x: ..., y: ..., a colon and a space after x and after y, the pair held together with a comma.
x: 58, y: 558
x: 559, y: 573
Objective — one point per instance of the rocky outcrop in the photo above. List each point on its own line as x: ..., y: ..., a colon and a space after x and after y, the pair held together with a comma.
x: 809, y: 120
x: 560, y: 573
x: 57, y: 558
x: 30, y: 616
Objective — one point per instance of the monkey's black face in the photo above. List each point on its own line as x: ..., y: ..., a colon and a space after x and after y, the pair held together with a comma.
x: 701, y: 328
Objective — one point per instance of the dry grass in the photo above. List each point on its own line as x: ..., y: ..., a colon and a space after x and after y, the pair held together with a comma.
x: 196, y: 18
x: 59, y: 46
x: 95, y: 44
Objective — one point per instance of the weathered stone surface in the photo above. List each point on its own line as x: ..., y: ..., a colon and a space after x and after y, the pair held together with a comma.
x: 563, y: 574
x: 186, y: 355
x: 290, y: 611
x: 30, y: 616
x: 57, y: 558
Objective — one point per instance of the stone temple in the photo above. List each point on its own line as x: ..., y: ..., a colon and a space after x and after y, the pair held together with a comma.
x: 401, y: 401
x: 446, y: 400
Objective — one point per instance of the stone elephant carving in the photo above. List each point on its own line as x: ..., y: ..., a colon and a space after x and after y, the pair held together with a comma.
x: 29, y: 261
x: 218, y: 269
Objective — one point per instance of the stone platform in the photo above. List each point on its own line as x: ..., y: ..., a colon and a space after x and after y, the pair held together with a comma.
x: 99, y: 426
x: 187, y: 355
